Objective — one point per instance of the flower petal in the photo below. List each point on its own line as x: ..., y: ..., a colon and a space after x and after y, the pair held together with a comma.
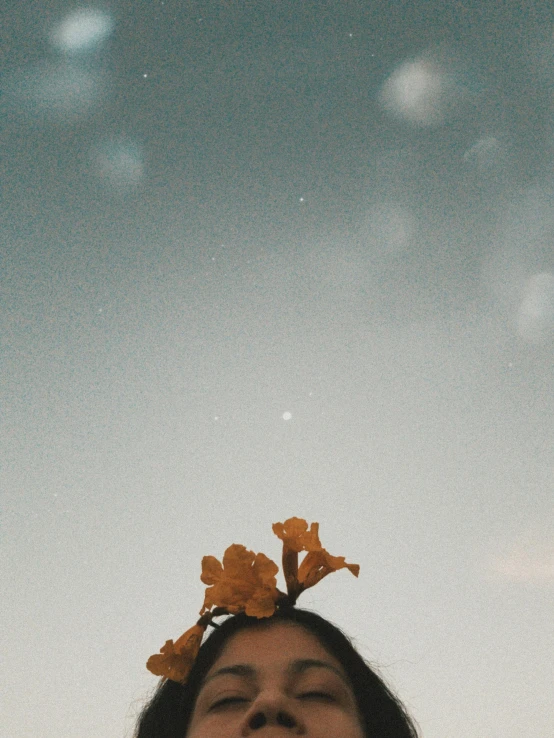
x: 244, y: 581
x: 265, y: 570
x: 211, y: 570
x: 317, y: 564
x: 295, y: 535
x: 175, y: 660
x: 261, y: 604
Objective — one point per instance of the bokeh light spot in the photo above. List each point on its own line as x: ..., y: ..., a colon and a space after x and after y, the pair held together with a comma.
x: 485, y: 154
x: 427, y: 90
x: 120, y: 162
x: 535, y: 319
x: 56, y: 90
x: 388, y: 228
x: 83, y: 30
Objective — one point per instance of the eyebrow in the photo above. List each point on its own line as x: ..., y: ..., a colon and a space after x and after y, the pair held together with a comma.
x: 299, y: 666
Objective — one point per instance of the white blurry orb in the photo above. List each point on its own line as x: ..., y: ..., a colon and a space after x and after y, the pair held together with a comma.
x: 82, y: 30
x: 485, y: 154
x: 287, y: 415
x: 535, y: 319
x: 421, y: 91
x: 120, y: 162
x: 59, y: 90
x: 388, y: 228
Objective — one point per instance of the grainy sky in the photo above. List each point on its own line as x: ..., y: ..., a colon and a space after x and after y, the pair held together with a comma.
x: 266, y: 259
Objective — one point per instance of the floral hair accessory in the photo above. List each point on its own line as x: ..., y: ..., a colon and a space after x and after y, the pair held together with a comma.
x: 245, y: 582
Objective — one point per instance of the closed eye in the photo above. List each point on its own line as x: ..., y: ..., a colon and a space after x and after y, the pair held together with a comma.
x: 228, y: 701
x: 318, y: 695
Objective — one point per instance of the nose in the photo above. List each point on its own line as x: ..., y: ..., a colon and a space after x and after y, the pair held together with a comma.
x: 272, y: 711
x: 259, y: 719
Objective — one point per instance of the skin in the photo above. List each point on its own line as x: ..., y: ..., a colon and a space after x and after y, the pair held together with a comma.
x: 270, y: 698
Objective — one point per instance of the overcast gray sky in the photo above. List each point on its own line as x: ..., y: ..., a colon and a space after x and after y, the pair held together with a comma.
x: 273, y: 259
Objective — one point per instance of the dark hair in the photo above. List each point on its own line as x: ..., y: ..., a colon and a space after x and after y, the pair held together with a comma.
x: 169, y: 712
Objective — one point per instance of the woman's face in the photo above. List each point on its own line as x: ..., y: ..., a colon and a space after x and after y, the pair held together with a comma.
x: 275, y: 681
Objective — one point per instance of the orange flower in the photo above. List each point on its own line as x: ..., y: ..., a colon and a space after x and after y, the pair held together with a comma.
x: 246, y: 581
x: 295, y: 535
x: 175, y: 660
x: 317, y: 563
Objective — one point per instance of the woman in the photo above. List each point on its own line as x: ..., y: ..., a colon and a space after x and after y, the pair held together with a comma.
x: 270, y: 697
x: 271, y: 669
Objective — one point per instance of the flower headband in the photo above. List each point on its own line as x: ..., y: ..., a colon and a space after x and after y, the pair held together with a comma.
x: 246, y: 583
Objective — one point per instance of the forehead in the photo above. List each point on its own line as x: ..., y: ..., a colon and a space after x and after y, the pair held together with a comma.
x: 278, y: 643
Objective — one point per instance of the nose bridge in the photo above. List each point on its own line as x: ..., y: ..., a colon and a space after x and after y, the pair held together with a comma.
x: 272, y: 706
x: 272, y: 699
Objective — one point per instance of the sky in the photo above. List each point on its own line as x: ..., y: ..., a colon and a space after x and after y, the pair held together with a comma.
x: 263, y: 260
